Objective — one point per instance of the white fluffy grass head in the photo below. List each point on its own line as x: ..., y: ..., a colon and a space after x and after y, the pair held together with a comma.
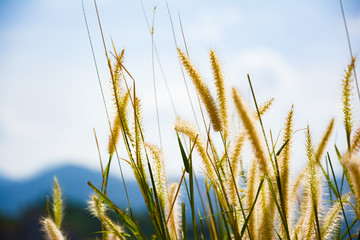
x: 52, y: 232
x: 96, y: 207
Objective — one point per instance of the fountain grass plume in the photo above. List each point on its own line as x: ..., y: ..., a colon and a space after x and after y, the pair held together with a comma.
x: 98, y: 209
x: 203, y: 92
x: 351, y: 161
x: 52, y: 232
x: 321, y: 147
x: 221, y: 93
x: 332, y: 218
x: 285, y: 166
x: 249, y: 125
x: 187, y: 129
x: 57, y: 204
x: 174, y: 223
x: 51, y: 226
x: 355, y: 143
x: 158, y: 166
x: 346, y: 97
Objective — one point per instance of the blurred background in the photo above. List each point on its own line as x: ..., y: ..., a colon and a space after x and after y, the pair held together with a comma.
x: 50, y: 100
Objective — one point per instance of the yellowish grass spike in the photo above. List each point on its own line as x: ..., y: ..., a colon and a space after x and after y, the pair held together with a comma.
x: 114, y: 135
x: 117, y: 68
x: 253, y: 135
x: 158, y: 169
x: 138, y: 143
x: 203, y: 92
x: 221, y: 93
x: 117, y: 124
x: 235, y: 156
x: 113, y: 228
x: 305, y: 226
x: 52, y: 232
x: 265, y: 107
x: 57, y: 205
x: 235, y: 167
x: 332, y: 218
x: 351, y: 162
x: 315, y: 188
x: 267, y: 214
x: 97, y: 208
x: 346, y: 97
x: 306, y: 217
x: 355, y: 143
x: 251, y: 187
x: 187, y: 129
x: 285, y: 166
x: 320, y: 149
x: 174, y: 223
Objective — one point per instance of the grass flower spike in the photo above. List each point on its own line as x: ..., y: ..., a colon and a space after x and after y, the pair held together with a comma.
x: 221, y: 93
x: 320, y: 149
x: 57, y: 203
x: 253, y: 135
x: 52, y: 226
x: 351, y: 162
x: 52, y: 232
x: 159, y: 173
x: 187, y: 129
x: 347, y: 100
x: 203, y: 92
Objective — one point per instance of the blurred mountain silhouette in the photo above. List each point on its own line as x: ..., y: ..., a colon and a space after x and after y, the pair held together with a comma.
x: 16, y: 197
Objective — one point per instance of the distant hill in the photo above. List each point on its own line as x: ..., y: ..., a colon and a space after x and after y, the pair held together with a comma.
x: 18, y: 196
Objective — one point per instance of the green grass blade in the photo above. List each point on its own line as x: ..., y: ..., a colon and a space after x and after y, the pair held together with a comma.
x: 282, y: 147
x: 183, y: 154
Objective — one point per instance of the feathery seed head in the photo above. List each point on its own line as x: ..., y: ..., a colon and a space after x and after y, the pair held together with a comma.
x: 285, y: 166
x: 116, y: 232
x: 96, y: 207
x: 115, y: 133
x: 346, y: 97
x: 221, y: 93
x: 324, y: 141
x: 253, y: 135
x: 57, y: 203
x: 174, y: 224
x: 187, y: 129
x: 332, y: 218
x: 351, y: 162
x: 203, y: 92
x: 355, y: 143
x: 159, y: 173
x: 265, y: 107
x: 52, y: 232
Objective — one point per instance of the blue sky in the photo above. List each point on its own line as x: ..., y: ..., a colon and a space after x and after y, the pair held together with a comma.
x: 50, y: 99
